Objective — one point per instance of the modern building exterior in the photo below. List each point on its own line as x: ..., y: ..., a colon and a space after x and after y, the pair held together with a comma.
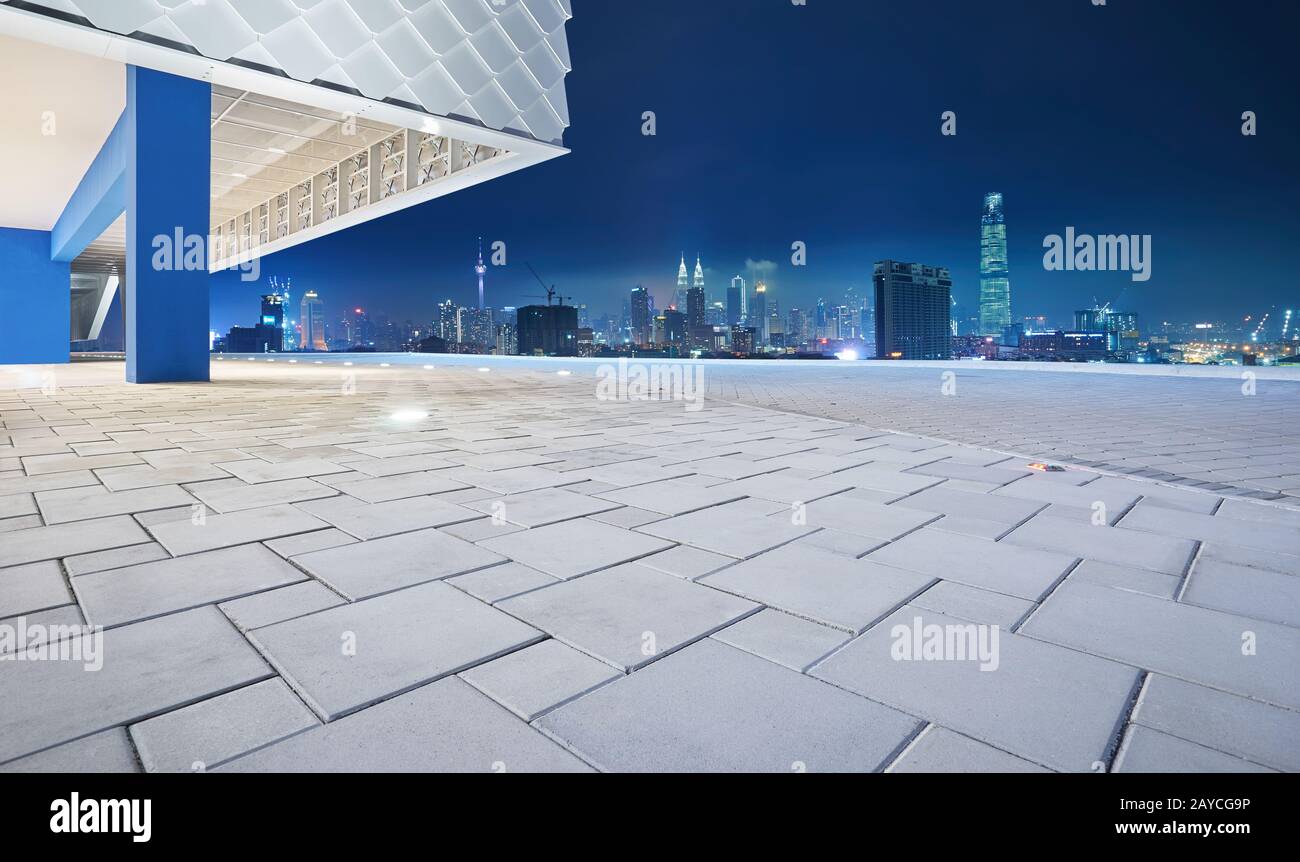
x: 640, y: 317
x: 913, y: 304
x: 194, y: 137
x: 757, y: 315
x: 312, y: 321
x: 736, y: 301
x: 995, y: 278
x: 548, y: 330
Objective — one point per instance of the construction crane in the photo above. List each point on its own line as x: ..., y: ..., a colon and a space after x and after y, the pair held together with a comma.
x: 551, y: 295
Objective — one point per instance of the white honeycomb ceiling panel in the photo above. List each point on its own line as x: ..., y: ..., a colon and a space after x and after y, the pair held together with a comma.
x: 500, y: 63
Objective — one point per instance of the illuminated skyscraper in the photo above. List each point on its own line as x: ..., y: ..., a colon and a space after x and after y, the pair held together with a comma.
x: 758, y: 313
x: 695, y: 299
x: 995, y: 281
x: 640, y: 316
x: 313, y: 322
x: 736, y: 301
x: 913, y: 307
x: 683, y: 285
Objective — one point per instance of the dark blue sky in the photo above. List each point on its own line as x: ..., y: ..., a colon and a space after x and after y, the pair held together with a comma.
x: 820, y: 124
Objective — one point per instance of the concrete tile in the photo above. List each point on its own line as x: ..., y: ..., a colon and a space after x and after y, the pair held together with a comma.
x: 233, y: 495
x: 787, y: 640
x: 686, y: 562
x: 734, y: 529
x: 976, y: 605
x: 542, y: 507
x: 1245, y: 728
x: 80, y: 504
x: 116, y: 558
x: 402, y: 464
x: 731, y: 712
x: 402, y: 640
x: 119, y: 596
x: 863, y: 518
x: 828, y: 588
x: 1226, y: 531
x: 1122, y: 577
x: 1241, y: 590
x: 373, y: 521
x: 987, y: 507
x: 305, y: 543
x: 106, y: 752
x: 40, y: 465
x: 785, y: 487
x: 1251, y: 558
x: 480, y: 529
x: 1243, y: 510
x: 380, y: 566
x: 257, y: 472
x: 148, y: 668
x: 628, y: 616
x: 209, y: 733
x: 971, y: 472
x: 58, y: 624
x: 237, y: 528
x: 938, y: 749
x: 1020, y: 707
x: 887, y: 477
x: 446, y: 726
x: 514, y: 481
x: 15, y: 505
x: 537, y: 679
x: 147, y: 476
x: 501, y: 582
x: 1171, y: 638
x: 837, y: 542
x: 627, y: 517
x: 278, y: 605
x: 66, y: 540
x: 386, y: 488
x: 996, y: 566
x: 33, y: 587
x: 504, y: 460
x: 674, y: 497
x: 1105, y: 544
x: 1147, y: 750
x: 574, y: 548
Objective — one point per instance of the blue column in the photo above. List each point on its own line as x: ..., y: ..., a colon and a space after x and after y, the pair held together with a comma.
x: 167, y: 131
x: 35, y: 305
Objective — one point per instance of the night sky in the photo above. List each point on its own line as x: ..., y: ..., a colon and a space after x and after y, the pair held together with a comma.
x: 821, y: 123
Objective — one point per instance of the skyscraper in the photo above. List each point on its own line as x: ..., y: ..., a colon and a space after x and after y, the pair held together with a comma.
x: 640, y: 315
x: 736, y: 301
x: 758, y: 314
x: 481, y: 270
x: 995, y: 282
x: 695, y: 300
x: 313, y: 322
x: 683, y: 285
x: 912, y: 311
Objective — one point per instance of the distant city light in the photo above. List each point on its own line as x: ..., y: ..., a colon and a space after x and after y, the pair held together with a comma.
x: 847, y: 355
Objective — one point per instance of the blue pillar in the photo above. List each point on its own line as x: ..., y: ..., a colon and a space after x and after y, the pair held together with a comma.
x: 167, y: 133
x: 35, y: 299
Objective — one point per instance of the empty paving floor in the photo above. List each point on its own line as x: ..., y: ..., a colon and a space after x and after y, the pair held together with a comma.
x: 308, y: 566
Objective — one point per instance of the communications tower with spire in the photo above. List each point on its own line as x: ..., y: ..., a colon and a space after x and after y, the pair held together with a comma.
x: 481, y: 271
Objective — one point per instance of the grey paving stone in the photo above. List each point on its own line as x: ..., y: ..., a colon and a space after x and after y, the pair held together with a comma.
x: 1254, y: 534
x: 278, y: 605
x: 114, y: 559
x: 480, y: 529
x: 1243, y: 510
x: 970, y: 472
x: 535, y: 680
x: 938, y: 749
x: 305, y: 543
x: 828, y: 588
x: 1147, y: 750
x: 1125, y: 578
x: 257, y: 472
x: 233, y: 495
x: 446, y: 726
x: 863, y: 518
x: 402, y: 640
x: 65, y: 540
x: 785, y: 639
x: 39, y: 465
x: 736, y: 529
x: 80, y: 504
x: 373, y: 521
x: 514, y: 481
x: 58, y: 625
x: 837, y: 542
x: 886, y: 477
x: 1246, y: 728
x: 33, y: 587
x: 401, y: 464
x: 1241, y: 590
x: 14, y: 505
x: 976, y: 605
x: 148, y: 668
x: 501, y: 582
x: 22, y: 522
x: 209, y: 733
x: 386, y: 488
x: 22, y: 484
x: 686, y: 562
x: 675, y: 497
x: 730, y: 467
x: 104, y: 752
x: 237, y: 528
x: 119, y: 596
x: 505, y: 460
x: 627, y: 517
x: 628, y: 616
x: 380, y: 566
x: 1105, y: 544
x: 963, y: 504
x: 1175, y: 639
x: 1080, y: 497
x: 784, y: 486
x: 574, y: 548
x: 996, y: 566
x: 729, y: 712
x: 1021, y: 707
x: 542, y: 507
x: 1251, y: 558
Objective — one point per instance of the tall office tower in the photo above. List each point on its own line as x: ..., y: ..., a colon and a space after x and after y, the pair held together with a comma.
x: 640, y: 316
x: 1091, y: 319
x: 695, y: 300
x: 445, y: 322
x: 480, y: 270
x: 683, y: 286
x: 313, y: 322
x: 995, y: 281
x: 913, y: 304
x: 794, y: 328
x: 758, y: 314
x: 734, y: 294
x: 271, y: 324
x: 738, y: 284
x: 820, y: 320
